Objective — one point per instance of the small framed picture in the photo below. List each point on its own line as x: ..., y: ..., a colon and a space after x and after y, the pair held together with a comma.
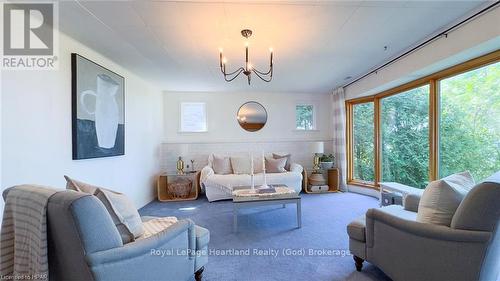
x: 193, y: 117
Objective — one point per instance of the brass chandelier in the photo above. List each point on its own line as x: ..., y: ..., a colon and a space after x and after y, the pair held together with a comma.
x: 248, y: 69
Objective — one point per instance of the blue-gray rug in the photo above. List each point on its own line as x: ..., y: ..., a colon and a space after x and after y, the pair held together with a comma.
x: 270, y: 245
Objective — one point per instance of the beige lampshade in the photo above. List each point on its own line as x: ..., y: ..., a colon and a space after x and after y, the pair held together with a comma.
x: 317, y: 147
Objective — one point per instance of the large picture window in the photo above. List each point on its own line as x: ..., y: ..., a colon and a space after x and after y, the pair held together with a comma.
x: 469, y: 124
x: 405, y: 137
x: 426, y: 129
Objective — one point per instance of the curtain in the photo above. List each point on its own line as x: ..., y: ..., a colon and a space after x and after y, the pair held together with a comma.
x: 339, y: 134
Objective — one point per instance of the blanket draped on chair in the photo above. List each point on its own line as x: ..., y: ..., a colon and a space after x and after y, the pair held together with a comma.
x: 23, y: 238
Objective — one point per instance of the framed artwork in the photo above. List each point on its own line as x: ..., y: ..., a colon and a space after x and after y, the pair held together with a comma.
x: 98, y: 110
x: 193, y: 117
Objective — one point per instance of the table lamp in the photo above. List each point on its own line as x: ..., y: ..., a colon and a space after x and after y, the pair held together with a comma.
x: 317, y: 149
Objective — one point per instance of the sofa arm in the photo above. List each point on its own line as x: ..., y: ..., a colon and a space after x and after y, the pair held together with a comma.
x: 411, y: 202
x: 144, y: 247
x: 205, y: 173
x: 431, y: 231
x: 296, y: 168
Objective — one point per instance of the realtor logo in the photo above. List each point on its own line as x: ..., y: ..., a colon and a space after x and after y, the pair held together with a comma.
x: 29, y: 35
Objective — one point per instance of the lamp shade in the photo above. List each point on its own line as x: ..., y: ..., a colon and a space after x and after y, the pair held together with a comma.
x: 317, y: 147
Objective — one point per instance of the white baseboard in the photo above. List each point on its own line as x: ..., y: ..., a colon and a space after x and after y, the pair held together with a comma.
x: 363, y: 190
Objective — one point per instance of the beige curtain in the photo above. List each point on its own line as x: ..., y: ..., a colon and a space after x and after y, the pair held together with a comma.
x: 339, y: 134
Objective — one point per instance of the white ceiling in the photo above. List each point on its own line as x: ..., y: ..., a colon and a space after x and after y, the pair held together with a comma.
x: 317, y: 44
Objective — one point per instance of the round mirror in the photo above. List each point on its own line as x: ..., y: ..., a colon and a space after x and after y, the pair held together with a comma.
x: 252, y: 116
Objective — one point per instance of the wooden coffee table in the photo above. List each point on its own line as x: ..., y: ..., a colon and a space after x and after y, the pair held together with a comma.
x: 244, y: 197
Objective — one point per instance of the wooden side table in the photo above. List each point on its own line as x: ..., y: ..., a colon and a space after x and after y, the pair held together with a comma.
x: 333, y: 181
x: 164, y: 179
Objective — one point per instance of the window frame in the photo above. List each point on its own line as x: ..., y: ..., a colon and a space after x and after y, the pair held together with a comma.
x: 314, y: 123
x: 349, y: 141
x: 433, y: 81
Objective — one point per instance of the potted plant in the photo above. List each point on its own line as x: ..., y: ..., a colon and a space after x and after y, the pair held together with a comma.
x: 326, y: 161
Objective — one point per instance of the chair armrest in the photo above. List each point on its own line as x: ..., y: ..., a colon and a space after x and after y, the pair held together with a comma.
x: 411, y: 202
x: 296, y: 168
x: 205, y: 173
x: 437, y: 232
x: 145, y: 246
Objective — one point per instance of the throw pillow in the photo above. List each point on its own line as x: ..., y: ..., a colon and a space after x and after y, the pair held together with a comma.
x: 123, y: 212
x: 441, y: 198
x: 241, y: 165
x: 288, y: 159
x: 275, y: 165
x: 79, y: 186
x: 222, y: 165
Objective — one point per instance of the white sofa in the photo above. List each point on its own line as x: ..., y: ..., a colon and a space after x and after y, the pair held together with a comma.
x: 220, y: 187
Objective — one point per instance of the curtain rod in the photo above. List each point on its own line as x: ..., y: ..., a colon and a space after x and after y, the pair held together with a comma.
x: 437, y: 36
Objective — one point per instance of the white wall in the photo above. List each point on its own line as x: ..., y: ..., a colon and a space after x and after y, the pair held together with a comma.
x: 476, y: 38
x: 226, y: 136
x: 223, y: 126
x: 36, y: 130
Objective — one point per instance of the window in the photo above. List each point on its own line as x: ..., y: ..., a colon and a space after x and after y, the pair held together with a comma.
x: 469, y: 123
x: 429, y: 128
x: 193, y: 117
x: 405, y: 137
x: 305, y: 117
x: 363, y: 142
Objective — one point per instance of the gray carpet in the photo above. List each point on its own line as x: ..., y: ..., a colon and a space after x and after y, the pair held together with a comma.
x: 324, y: 220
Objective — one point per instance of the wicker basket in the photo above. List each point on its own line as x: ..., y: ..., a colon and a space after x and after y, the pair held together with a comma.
x: 180, y: 188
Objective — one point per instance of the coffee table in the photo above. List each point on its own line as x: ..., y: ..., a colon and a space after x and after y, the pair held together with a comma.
x: 245, y: 197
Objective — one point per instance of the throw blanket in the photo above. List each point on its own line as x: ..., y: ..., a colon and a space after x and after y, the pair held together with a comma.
x: 23, y: 238
x: 154, y: 226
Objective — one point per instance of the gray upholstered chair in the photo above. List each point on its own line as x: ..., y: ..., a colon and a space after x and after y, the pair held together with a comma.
x: 392, y: 239
x: 84, y: 244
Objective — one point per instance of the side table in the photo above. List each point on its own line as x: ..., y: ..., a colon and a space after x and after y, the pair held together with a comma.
x: 166, y: 178
x: 332, y: 180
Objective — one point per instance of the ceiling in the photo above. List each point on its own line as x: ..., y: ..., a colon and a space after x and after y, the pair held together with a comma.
x: 317, y: 44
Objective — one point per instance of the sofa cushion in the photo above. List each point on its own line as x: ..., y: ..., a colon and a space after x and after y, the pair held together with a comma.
x: 73, y: 184
x: 123, y: 212
x: 288, y: 160
x: 232, y: 180
x: 241, y: 165
x: 441, y: 198
x: 222, y: 165
x: 275, y: 165
x: 356, y: 229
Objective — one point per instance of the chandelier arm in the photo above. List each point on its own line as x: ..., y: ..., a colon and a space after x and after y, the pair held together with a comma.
x: 230, y: 74
x: 262, y: 78
x: 238, y: 72
x: 264, y: 73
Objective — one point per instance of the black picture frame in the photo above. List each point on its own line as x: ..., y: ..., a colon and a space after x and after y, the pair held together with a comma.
x: 94, y: 138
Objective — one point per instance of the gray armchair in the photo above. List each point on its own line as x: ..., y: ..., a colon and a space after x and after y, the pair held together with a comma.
x: 84, y: 244
x: 392, y: 239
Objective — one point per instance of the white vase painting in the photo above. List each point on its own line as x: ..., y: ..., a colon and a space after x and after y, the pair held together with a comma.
x: 98, y: 110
